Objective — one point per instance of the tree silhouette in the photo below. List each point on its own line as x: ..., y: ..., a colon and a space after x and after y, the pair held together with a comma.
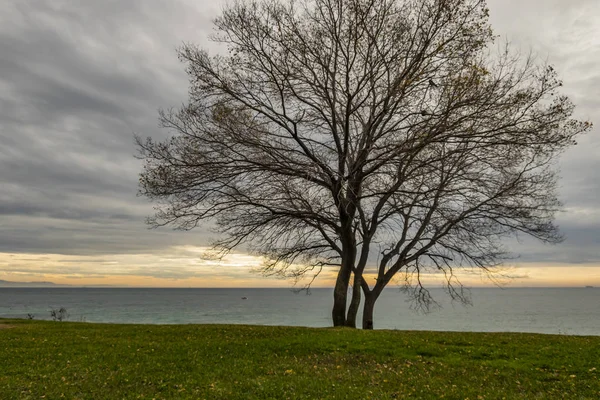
x: 372, y: 137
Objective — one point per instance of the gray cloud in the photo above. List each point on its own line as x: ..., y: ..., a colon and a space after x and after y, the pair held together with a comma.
x: 75, y: 84
x: 77, y: 80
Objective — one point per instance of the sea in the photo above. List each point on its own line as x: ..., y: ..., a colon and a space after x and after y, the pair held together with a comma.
x: 563, y: 311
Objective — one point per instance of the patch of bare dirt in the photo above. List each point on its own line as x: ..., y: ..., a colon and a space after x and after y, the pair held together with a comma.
x: 5, y: 326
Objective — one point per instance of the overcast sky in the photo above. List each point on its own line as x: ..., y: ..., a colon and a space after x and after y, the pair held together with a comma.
x: 78, y: 79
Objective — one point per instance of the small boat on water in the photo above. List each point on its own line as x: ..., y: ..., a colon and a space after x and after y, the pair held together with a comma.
x: 244, y: 298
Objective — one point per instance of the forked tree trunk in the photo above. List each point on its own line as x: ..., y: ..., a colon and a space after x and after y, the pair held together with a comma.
x: 354, y: 302
x: 340, y: 294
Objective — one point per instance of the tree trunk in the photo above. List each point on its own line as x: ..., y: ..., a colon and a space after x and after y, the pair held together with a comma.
x: 340, y: 294
x: 368, y: 308
x: 354, y: 302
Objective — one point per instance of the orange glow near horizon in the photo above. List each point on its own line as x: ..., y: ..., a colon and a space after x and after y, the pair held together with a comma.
x: 188, y: 266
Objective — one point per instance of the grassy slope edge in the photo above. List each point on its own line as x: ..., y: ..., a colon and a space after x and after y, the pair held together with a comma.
x: 89, y: 361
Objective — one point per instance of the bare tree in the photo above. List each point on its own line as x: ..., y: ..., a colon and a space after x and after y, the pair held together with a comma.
x: 376, y: 137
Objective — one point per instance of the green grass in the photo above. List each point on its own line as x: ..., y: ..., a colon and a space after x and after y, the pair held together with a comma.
x: 51, y: 360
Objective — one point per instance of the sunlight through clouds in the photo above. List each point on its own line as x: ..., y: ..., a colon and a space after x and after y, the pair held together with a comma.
x: 178, y: 264
x: 189, y: 266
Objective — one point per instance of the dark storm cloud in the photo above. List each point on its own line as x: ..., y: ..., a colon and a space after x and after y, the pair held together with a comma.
x: 77, y: 79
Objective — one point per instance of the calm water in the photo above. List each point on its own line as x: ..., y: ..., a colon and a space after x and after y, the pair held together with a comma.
x: 573, y: 311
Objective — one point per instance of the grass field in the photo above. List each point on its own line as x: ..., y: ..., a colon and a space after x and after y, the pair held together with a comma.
x: 52, y: 360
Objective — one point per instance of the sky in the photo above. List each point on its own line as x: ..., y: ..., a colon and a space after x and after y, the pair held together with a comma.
x: 79, y: 79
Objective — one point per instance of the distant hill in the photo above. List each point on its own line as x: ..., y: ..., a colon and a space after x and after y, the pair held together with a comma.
x: 29, y: 284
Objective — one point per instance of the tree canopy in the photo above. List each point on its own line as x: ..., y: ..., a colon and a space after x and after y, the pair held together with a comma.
x: 368, y: 136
